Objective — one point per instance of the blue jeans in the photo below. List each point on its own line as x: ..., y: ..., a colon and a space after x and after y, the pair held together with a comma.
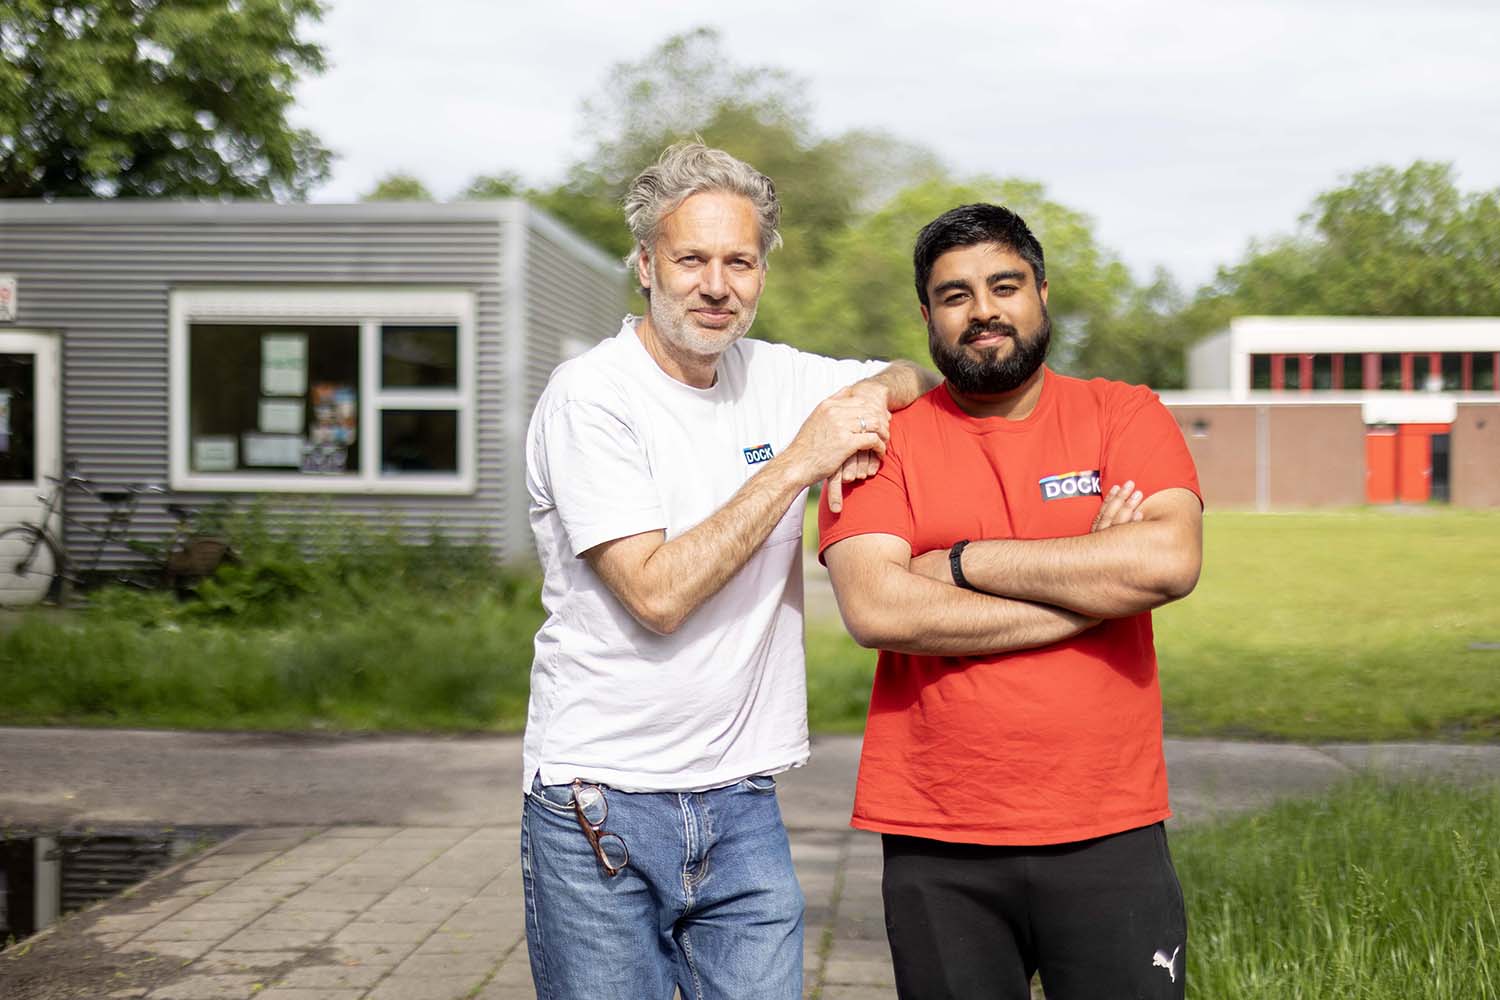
x: 709, y: 901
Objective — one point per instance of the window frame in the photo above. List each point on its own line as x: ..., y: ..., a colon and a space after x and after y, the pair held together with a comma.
x: 367, y: 308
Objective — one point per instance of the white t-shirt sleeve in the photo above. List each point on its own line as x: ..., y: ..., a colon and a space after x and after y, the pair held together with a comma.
x: 597, y: 475
x: 820, y: 377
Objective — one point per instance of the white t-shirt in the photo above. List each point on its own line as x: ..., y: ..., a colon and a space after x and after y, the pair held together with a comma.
x: 617, y: 447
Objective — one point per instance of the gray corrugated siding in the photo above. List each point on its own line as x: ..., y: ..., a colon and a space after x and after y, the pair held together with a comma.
x: 567, y: 300
x: 105, y: 287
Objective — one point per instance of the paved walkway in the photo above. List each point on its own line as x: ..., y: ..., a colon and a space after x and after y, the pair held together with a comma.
x: 386, y: 868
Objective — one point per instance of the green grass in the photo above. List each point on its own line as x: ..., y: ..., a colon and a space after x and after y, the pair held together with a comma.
x: 1339, y: 627
x: 1351, y: 626
x: 368, y: 633
x: 1379, y: 892
x: 1346, y: 626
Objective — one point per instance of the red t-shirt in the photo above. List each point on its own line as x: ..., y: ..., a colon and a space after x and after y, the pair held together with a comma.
x: 1040, y: 746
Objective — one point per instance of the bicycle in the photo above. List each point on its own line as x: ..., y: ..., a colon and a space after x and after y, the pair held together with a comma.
x: 34, y: 566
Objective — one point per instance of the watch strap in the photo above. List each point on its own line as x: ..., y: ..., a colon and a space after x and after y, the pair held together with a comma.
x: 956, y: 564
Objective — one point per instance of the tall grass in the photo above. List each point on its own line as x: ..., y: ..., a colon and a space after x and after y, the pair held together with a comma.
x: 331, y: 625
x: 1378, y: 892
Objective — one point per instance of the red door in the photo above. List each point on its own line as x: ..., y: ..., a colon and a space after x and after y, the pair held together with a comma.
x: 1380, y: 465
x: 1414, y: 463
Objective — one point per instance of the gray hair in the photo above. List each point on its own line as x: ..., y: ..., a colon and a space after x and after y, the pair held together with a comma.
x: 689, y: 168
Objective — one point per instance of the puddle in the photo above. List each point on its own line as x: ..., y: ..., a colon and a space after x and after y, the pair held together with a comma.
x: 46, y: 874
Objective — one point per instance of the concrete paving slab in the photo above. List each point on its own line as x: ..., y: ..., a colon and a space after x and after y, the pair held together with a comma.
x: 433, y: 909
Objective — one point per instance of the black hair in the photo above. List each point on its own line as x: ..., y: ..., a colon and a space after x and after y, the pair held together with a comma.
x: 971, y: 225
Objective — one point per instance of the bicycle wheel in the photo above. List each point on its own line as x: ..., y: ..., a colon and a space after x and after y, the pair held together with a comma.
x: 29, y: 563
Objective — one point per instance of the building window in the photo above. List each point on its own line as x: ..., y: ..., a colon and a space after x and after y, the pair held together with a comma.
x: 303, y: 390
x: 1453, y: 372
x: 1484, y: 372
x: 1323, y: 371
x: 1390, y: 371
x: 1354, y: 372
x: 17, y: 418
x: 1291, y: 368
x: 1260, y: 371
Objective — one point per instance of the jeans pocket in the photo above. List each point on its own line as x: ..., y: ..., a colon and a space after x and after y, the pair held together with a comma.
x: 556, y: 799
x: 765, y: 784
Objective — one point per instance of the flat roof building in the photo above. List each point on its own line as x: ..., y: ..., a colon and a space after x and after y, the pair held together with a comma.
x: 1306, y: 411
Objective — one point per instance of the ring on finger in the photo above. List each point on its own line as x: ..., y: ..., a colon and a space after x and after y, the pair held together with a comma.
x: 862, y: 427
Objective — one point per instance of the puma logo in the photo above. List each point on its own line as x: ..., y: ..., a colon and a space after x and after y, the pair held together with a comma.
x: 1161, y: 960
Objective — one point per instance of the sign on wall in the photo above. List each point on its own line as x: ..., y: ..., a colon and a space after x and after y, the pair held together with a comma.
x: 7, y: 298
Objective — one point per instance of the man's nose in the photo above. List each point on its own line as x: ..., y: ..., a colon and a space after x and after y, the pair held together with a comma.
x: 715, y: 280
x: 985, y: 308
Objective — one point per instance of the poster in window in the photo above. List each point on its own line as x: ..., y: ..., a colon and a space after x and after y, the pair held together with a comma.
x: 272, y: 450
x: 283, y: 364
x: 324, y: 459
x: 215, y: 454
x: 334, y: 414
x: 281, y: 416
x: 4, y: 421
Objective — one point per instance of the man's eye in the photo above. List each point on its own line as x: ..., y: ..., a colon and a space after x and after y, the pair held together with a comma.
x: 1005, y: 289
x: 954, y: 300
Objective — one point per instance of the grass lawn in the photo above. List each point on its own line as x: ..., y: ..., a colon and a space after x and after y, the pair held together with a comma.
x: 1378, y: 892
x: 1353, y: 626
x: 1341, y: 626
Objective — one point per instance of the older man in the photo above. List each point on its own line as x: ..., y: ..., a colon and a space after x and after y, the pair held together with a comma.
x: 1005, y: 560
x: 666, y: 469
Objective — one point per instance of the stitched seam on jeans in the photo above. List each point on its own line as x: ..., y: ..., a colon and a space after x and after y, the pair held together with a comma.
x: 687, y: 953
x: 544, y: 985
x: 687, y: 853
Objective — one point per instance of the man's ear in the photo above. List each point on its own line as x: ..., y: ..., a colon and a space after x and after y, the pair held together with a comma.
x: 1042, y: 291
x: 926, y: 315
x: 643, y: 266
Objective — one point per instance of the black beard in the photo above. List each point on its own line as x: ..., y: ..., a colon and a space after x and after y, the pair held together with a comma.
x: 988, y: 375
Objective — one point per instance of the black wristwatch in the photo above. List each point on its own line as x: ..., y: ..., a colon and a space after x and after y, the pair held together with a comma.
x: 956, y: 564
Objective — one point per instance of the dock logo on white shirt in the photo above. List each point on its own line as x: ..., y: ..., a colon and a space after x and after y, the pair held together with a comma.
x: 757, y: 453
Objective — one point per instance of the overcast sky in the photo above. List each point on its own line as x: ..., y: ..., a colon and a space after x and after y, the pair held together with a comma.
x: 1183, y: 127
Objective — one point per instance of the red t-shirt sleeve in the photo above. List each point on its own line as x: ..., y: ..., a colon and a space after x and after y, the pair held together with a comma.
x: 1143, y: 442
x: 877, y: 505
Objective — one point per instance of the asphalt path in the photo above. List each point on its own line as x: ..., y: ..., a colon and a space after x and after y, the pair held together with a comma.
x: 66, y: 777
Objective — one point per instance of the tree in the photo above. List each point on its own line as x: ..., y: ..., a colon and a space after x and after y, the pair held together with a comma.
x: 490, y: 186
x: 155, y: 98
x: 398, y: 186
x: 1390, y: 242
x: 689, y: 86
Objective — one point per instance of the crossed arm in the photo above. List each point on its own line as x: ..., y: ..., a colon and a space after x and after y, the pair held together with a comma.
x: 1036, y: 592
x: 662, y: 582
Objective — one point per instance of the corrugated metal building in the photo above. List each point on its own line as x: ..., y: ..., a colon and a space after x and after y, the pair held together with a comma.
x: 385, y: 356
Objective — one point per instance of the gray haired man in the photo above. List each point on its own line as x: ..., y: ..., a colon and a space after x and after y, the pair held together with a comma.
x: 667, y: 468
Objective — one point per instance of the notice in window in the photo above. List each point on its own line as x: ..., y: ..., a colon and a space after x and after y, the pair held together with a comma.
x: 281, y: 416
x: 4, y: 421
x: 283, y: 364
x: 215, y: 454
x: 334, y: 414
x: 272, y: 450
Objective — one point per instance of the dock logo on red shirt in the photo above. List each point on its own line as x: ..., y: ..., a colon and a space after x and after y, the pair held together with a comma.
x: 1070, y: 484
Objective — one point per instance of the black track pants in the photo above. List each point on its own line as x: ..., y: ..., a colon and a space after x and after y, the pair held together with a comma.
x: 1099, y: 919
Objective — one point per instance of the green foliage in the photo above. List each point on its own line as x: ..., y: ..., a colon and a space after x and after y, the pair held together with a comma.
x: 152, y: 99
x: 1390, y: 242
x: 486, y: 187
x: 398, y: 187
x: 1378, y: 892
x: 323, y: 622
